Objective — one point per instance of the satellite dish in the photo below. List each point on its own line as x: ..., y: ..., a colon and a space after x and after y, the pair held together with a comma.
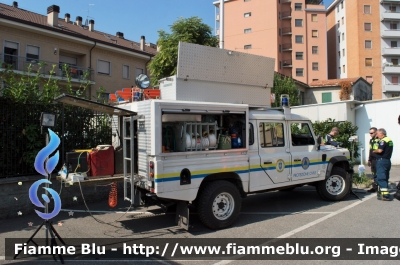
x: 142, y: 81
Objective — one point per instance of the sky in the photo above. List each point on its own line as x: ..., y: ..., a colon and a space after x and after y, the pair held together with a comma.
x: 134, y: 18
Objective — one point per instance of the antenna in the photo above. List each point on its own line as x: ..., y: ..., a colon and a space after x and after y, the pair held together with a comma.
x: 87, y: 17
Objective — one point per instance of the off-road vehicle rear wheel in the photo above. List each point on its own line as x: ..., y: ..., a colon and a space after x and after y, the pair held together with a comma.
x: 219, y: 204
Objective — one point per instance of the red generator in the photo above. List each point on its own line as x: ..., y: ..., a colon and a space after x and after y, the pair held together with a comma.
x: 101, y: 161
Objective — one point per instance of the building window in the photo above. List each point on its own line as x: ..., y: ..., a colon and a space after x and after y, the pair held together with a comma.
x: 247, y: 30
x: 32, y: 53
x: 342, y: 36
x: 138, y: 71
x: 125, y: 71
x: 367, y: 26
x: 298, y: 22
x: 315, y: 79
x: 103, y: 67
x: 393, y: 25
x: 338, y: 38
x: 340, y: 69
x: 298, y: 6
x: 326, y: 97
x: 314, y: 49
x: 280, y: 48
x: 249, y: 0
x: 337, y: 8
x: 280, y: 64
x: 271, y: 134
x: 338, y: 23
x: 341, y: 5
x: 315, y: 66
x: 395, y: 61
x: 248, y: 46
x: 392, y: 8
x: 314, y: 17
x: 393, y: 44
x: 344, y: 69
x: 343, y: 53
x: 368, y: 61
x: 338, y: 53
x: 299, y: 55
x: 299, y: 38
x: 369, y: 78
x: 248, y: 14
x: 299, y: 72
x: 367, y: 9
x: 395, y: 80
x: 314, y: 33
x: 342, y: 20
x: 368, y: 44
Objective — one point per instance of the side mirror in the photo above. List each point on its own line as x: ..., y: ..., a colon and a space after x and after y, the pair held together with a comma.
x: 319, y: 141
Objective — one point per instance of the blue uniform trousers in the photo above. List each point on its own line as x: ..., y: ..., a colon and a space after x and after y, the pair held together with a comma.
x: 382, y: 172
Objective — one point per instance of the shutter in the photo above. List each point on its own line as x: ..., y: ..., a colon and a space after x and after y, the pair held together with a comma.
x: 12, y: 45
x: 103, y: 67
x: 326, y: 97
x: 68, y: 60
x: 125, y: 71
x: 32, y: 50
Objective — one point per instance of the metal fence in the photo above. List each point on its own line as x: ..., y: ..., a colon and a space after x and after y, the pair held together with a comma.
x: 21, y: 138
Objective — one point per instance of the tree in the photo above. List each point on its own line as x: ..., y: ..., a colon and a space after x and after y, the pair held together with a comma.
x: 285, y: 85
x: 190, y: 30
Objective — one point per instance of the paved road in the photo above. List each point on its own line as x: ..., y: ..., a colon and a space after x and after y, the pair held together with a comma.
x: 296, y: 214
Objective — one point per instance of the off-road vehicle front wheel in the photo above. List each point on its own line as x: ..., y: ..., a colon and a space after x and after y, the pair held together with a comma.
x: 336, y: 186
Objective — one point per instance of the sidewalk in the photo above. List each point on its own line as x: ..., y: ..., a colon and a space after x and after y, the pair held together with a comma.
x: 394, y: 173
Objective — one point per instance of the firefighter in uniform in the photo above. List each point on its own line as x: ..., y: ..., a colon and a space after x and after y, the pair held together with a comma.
x: 373, y: 145
x: 383, y: 164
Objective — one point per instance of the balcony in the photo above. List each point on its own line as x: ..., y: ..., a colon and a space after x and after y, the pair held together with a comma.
x: 389, y: 15
x: 22, y: 65
x: 390, y: 1
x: 388, y: 51
x: 286, y: 15
x: 286, y: 47
x: 389, y: 68
x: 286, y: 31
x: 389, y: 87
x: 390, y: 33
x: 287, y: 63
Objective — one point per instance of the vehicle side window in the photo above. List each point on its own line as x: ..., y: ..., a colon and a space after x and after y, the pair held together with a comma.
x: 271, y: 134
x: 301, y: 134
x: 251, y: 134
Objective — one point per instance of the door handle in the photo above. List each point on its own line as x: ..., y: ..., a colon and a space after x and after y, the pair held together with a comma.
x: 267, y: 162
x: 297, y: 160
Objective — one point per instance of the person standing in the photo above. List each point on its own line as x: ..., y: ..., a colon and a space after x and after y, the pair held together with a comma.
x: 383, y: 164
x: 373, y: 145
x: 329, y: 137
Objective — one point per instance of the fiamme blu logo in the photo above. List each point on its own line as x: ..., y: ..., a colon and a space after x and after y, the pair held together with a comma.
x: 45, y: 168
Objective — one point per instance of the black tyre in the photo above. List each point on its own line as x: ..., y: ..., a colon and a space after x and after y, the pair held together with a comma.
x: 219, y: 204
x: 336, y: 186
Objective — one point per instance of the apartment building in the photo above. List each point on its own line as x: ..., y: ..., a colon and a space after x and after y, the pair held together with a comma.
x: 363, y: 40
x: 28, y: 38
x: 291, y: 31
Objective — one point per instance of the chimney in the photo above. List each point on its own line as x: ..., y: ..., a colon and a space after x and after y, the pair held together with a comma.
x: 15, y: 4
x: 52, y: 15
x: 142, y: 43
x: 67, y: 17
x: 91, y: 25
x: 79, y: 21
x: 120, y: 35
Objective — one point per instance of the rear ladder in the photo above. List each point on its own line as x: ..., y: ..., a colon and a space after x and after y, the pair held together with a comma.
x: 128, y: 137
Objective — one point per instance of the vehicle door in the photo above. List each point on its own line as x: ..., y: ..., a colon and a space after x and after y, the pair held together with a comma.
x: 304, y: 156
x: 274, y: 156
